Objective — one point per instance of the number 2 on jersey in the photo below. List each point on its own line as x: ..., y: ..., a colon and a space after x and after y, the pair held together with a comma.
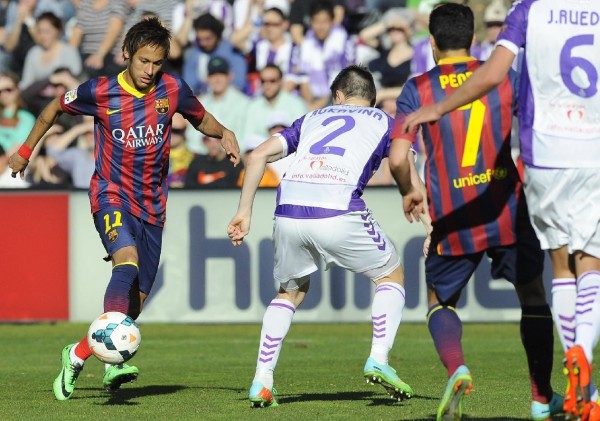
x: 116, y: 223
x: 321, y: 146
x: 474, y: 129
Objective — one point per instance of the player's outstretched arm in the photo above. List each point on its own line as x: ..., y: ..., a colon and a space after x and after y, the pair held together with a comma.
x: 211, y: 127
x: 19, y: 160
x: 483, y: 80
x: 239, y: 226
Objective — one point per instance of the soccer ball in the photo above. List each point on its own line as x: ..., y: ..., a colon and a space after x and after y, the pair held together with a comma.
x: 114, y: 337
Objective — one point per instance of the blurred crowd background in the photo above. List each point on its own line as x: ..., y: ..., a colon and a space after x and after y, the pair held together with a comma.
x: 257, y: 65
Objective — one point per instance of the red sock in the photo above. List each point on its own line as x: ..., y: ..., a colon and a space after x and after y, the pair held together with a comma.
x: 82, y: 349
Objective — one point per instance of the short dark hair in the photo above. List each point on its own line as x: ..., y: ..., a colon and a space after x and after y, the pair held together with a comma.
x: 54, y: 20
x: 318, y: 6
x: 276, y: 10
x: 452, y: 26
x: 274, y: 67
x: 355, y: 82
x: 147, y: 32
x: 209, y: 23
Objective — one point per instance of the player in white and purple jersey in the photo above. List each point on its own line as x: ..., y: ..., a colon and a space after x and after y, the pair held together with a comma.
x: 320, y: 215
x: 559, y: 116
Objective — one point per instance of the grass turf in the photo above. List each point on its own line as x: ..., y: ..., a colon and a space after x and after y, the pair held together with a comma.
x: 203, y: 372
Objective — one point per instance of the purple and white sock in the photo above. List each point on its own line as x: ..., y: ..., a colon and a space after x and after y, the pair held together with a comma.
x: 564, y: 294
x: 386, y: 312
x: 276, y: 324
x: 587, y: 310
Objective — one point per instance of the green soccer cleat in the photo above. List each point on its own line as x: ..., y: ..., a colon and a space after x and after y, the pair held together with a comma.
x: 544, y: 411
x: 387, y: 377
x: 64, y: 384
x: 262, y: 397
x: 458, y: 385
x: 116, y: 375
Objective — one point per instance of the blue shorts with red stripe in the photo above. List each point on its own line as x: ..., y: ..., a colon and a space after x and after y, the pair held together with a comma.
x: 519, y: 263
x: 118, y: 228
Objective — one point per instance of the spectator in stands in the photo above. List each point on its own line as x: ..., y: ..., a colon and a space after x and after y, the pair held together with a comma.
x: 325, y: 51
x: 423, y: 57
x: 275, y: 43
x: 180, y: 156
x: 15, y: 122
x: 73, y: 151
x: 249, y: 16
x: 213, y: 170
x: 5, y: 57
x: 273, y: 98
x: 391, y: 37
x: 97, y: 31
x: 184, y: 14
x: 301, y: 17
x: 64, y: 9
x: 20, y: 32
x: 493, y: 18
x: 50, y: 53
x: 277, y: 121
x: 41, y: 92
x: 210, y: 43
x: 225, y: 102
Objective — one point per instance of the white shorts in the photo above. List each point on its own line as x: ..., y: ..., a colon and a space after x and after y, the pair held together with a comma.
x: 353, y: 241
x: 564, y: 206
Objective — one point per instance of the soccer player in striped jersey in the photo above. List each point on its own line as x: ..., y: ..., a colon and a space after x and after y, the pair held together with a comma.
x: 477, y: 207
x: 320, y: 215
x: 128, y: 191
x: 560, y: 146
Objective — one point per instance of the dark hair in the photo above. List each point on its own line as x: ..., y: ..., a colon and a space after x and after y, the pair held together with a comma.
x: 318, y: 6
x: 147, y: 32
x: 52, y: 19
x: 274, y: 67
x: 355, y: 82
x: 276, y: 10
x: 452, y: 26
x: 210, y: 23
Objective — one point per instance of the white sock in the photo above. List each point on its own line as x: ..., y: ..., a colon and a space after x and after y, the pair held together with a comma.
x: 564, y: 294
x: 74, y: 358
x: 276, y: 324
x: 587, y: 310
x: 386, y: 312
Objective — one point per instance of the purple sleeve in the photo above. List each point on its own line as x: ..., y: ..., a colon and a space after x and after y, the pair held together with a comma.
x: 514, y: 30
x: 407, y: 102
x: 81, y: 100
x: 292, y: 135
x: 188, y: 105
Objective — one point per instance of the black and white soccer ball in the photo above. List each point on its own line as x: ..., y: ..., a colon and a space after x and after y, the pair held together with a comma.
x: 114, y: 337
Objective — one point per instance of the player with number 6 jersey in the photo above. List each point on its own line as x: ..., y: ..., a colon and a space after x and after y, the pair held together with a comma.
x: 320, y: 215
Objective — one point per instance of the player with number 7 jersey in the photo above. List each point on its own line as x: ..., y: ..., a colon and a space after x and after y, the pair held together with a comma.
x: 468, y: 157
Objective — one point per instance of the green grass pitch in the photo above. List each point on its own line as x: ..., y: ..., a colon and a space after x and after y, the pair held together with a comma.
x: 203, y: 372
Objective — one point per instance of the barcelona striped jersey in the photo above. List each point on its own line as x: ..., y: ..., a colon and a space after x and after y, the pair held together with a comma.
x: 132, y: 133
x: 473, y: 186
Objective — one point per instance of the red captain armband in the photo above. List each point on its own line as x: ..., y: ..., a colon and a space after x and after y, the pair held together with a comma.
x: 25, y: 151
